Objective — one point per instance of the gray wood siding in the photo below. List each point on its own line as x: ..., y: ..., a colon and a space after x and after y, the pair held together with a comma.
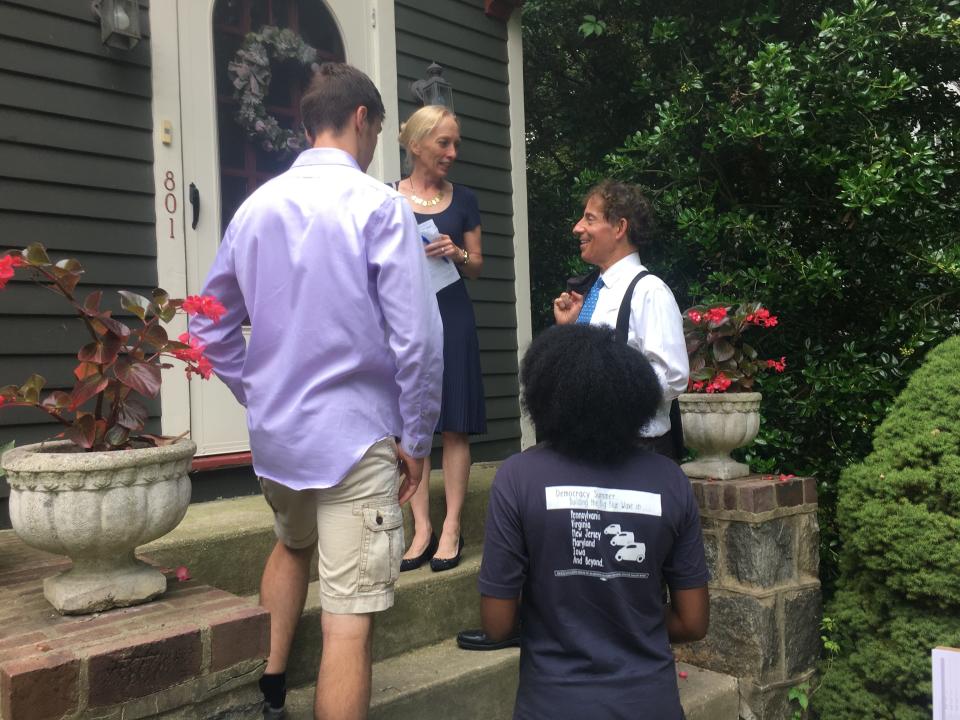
x: 76, y: 174
x: 472, y: 49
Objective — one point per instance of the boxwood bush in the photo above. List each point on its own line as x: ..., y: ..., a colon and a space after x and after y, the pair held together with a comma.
x: 898, y: 514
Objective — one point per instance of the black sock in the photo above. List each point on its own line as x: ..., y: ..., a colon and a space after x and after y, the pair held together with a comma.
x: 274, y: 689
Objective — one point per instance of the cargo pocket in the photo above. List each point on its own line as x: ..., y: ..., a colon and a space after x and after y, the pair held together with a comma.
x: 382, y: 547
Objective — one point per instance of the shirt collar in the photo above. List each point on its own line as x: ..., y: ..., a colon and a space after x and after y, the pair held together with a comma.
x: 623, y: 270
x: 325, y: 156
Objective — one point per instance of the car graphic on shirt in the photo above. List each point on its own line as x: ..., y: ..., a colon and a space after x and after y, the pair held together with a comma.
x: 635, y: 552
x: 611, y: 529
x: 622, y: 538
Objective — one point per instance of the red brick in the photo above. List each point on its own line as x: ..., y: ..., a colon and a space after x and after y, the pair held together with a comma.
x: 39, y: 687
x: 809, y: 490
x: 71, y: 625
x: 241, y: 635
x: 712, y: 494
x: 698, y: 492
x: 158, y: 661
x: 22, y: 639
x: 757, y: 498
x: 730, y: 497
x: 790, y: 493
x: 195, y: 596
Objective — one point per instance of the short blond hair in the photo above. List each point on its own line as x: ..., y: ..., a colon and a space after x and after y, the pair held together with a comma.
x: 423, y: 122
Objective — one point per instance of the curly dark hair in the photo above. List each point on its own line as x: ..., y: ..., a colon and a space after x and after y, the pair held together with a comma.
x: 626, y: 202
x: 587, y: 393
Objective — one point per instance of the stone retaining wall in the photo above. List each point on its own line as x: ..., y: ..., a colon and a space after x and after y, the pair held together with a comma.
x: 762, y: 542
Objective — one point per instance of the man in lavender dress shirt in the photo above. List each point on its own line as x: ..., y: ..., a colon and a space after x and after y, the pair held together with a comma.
x: 340, y: 377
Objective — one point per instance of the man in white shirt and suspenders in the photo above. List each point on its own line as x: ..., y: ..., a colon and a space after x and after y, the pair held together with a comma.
x: 617, y: 221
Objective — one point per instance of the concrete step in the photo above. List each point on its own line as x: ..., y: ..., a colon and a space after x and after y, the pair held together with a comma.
x: 226, y: 542
x: 429, y: 608
x: 438, y: 681
x: 443, y: 682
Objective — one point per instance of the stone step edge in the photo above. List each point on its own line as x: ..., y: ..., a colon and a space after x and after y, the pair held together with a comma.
x: 416, y: 672
x: 704, y: 694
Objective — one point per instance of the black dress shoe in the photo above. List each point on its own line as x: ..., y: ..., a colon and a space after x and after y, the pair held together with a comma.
x: 414, y: 563
x: 441, y: 564
x: 478, y: 640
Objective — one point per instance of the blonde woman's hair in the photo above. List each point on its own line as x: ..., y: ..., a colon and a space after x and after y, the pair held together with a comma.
x: 423, y: 122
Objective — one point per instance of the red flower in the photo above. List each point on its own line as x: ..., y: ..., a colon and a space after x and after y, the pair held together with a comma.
x: 695, y: 317
x: 194, y: 353
x: 785, y: 477
x: 203, y: 368
x: 719, y: 383
x: 778, y: 366
x: 696, y: 386
x: 206, y: 305
x: 763, y: 318
x: 2, y: 400
x: 7, y: 265
x: 716, y: 314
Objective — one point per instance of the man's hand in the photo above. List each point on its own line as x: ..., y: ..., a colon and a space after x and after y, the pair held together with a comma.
x: 411, y: 470
x: 566, y: 308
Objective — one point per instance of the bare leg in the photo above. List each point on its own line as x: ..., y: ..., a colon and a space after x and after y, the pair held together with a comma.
x: 343, y: 683
x: 283, y: 591
x: 420, y: 505
x: 456, y: 472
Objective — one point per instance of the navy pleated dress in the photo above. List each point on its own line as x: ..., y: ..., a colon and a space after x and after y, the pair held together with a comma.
x: 462, y: 406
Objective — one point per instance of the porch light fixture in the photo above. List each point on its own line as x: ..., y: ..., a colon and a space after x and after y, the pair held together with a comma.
x: 434, y: 89
x: 119, y: 22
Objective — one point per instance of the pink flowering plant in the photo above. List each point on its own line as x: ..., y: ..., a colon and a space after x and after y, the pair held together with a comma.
x: 120, y: 365
x: 720, y: 359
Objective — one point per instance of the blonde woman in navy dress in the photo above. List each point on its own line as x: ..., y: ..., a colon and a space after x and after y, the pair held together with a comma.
x: 431, y: 139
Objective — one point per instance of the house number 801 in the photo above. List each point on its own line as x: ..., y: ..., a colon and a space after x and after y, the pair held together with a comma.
x: 170, y: 200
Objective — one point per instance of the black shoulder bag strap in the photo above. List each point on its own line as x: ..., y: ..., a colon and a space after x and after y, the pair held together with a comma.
x: 623, y: 330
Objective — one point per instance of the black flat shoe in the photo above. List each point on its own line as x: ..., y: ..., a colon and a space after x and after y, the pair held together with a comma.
x: 441, y: 564
x: 478, y: 640
x: 414, y: 563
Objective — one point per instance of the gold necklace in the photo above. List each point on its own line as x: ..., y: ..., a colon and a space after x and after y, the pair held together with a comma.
x: 417, y: 200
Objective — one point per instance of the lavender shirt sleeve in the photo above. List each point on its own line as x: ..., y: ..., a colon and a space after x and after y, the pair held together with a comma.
x: 224, y: 344
x: 413, y: 326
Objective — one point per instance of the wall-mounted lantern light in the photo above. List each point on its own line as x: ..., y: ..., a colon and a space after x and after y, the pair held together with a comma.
x: 119, y: 22
x: 434, y: 89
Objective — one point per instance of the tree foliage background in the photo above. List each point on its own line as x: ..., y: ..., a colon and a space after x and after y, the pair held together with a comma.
x: 799, y: 153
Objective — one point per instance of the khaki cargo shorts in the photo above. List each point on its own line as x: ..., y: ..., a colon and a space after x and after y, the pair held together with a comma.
x: 357, y: 527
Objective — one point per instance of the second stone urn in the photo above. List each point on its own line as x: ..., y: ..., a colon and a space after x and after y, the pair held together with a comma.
x: 97, y: 508
x: 714, y: 425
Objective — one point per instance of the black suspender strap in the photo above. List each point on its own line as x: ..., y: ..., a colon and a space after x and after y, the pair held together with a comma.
x: 623, y: 331
x: 623, y: 317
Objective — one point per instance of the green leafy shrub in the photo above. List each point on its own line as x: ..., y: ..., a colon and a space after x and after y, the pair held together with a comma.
x: 898, y: 514
x: 801, y: 154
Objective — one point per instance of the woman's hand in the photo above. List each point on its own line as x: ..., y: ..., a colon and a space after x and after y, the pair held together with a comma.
x: 444, y: 247
x: 566, y: 308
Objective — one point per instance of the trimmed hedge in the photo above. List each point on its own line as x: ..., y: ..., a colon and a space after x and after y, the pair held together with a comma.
x: 898, y: 515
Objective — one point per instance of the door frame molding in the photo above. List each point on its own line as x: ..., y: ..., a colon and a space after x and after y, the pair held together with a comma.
x: 369, y: 39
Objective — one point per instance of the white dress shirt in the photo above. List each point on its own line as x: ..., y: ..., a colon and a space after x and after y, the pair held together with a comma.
x: 656, y: 330
x: 346, y: 342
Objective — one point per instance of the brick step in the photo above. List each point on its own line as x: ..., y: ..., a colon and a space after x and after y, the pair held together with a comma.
x: 443, y: 682
x: 226, y: 542
x: 429, y: 607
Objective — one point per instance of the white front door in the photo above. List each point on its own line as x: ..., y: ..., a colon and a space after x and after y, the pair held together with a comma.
x: 211, y: 160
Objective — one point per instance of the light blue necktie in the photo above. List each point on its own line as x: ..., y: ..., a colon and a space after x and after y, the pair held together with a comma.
x: 590, y: 302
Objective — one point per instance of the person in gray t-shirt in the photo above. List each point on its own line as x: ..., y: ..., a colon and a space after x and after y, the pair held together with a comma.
x: 588, y: 528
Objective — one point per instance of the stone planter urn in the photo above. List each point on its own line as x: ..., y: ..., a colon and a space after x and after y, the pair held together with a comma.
x: 96, y: 508
x: 714, y: 425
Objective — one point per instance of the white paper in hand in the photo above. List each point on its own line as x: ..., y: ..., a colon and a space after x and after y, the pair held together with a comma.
x: 442, y: 270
